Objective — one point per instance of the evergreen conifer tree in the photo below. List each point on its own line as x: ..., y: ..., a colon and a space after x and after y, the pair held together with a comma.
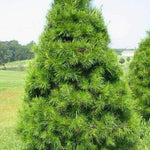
x: 74, y: 97
x: 122, y: 60
x: 140, y: 77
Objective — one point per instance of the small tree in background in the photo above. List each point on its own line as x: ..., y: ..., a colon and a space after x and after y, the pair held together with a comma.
x: 128, y: 59
x: 75, y: 99
x: 140, y: 77
x: 122, y: 60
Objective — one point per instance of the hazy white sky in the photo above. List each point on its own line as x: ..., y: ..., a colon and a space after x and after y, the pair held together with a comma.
x: 127, y: 20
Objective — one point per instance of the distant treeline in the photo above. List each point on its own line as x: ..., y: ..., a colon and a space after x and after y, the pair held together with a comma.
x: 119, y: 51
x: 13, y: 51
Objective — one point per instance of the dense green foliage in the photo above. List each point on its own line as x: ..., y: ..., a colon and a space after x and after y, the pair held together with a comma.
x: 140, y: 77
x: 121, y: 60
x: 128, y: 59
x: 74, y: 98
x: 13, y: 51
x: 144, y: 137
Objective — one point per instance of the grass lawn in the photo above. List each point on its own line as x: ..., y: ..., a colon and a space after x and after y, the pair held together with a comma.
x: 15, y: 65
x: 11, y: 95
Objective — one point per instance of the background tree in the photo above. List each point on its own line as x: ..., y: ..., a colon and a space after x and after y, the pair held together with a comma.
x: 13, y: 51
x: 5, y: 54
x: 121, y: 60
x: 13, y: 46
x: 140, y: 77
x: 24, y: 52
x: 74, y: 98
x: 128, y: 59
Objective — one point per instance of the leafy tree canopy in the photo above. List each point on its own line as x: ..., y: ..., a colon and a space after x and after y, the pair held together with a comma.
x: 13, y: 51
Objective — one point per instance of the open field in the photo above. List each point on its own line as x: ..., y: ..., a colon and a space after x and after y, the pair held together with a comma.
x: 15, y: 65
x: 11, y: 95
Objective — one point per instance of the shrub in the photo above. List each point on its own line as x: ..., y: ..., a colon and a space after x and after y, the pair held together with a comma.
x: 139, y: 77
x: 128, y: 59
x: 122, y: 60
x: 74, y: 98
x: 144, y: 137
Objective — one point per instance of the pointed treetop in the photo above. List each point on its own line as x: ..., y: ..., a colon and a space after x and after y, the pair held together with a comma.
x: 81, y: 2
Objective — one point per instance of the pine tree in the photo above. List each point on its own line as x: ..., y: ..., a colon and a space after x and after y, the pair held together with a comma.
x: 140, y: 77
x: 74, y: 97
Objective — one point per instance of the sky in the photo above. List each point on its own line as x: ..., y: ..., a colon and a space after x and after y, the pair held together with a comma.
x: 127, y: 20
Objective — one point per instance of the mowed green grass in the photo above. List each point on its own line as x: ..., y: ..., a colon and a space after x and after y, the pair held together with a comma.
x: 11, y: 96
x: 17, y: 63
